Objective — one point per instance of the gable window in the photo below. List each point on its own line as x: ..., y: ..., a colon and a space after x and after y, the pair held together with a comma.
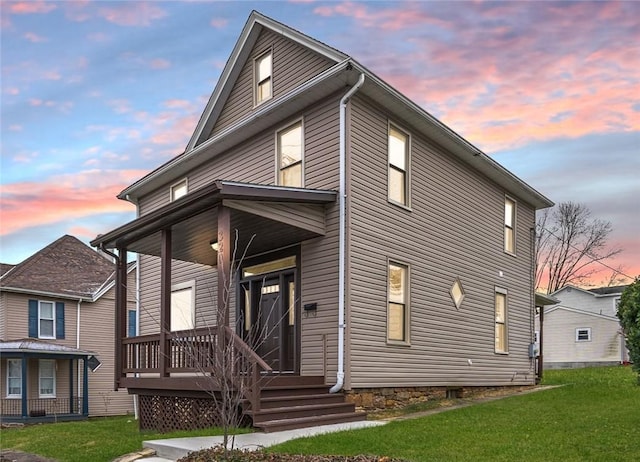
x: 47, y: 378
x: 263, y: 71
x: 398, y: 166
x: 290, y: 156
x: 14, y: 378
x: 501, y: 344
x: 398, y: 303
x: 46, y: 320
x: 583, y: 334
x: 509, y: 225
x: 182, y: 307
x: 179, y: 189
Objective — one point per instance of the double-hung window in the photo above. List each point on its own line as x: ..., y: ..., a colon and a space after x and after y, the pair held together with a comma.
x: 14, y: 378
x: 398, y: 303
x: 263, y: 75
x: 501, y: 332
x: 399, y: 145
x: 47, y: 378
x: 290, y: 156
x: 509, y: 225
x: 46, y: 320
x: 179, y: 189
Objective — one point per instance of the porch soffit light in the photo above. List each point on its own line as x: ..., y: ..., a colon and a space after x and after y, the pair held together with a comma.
x: 214, y: 245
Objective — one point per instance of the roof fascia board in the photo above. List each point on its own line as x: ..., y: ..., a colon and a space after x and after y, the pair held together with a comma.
x: 588, y: 292
x: 579, y: 311
x: 108, y: 284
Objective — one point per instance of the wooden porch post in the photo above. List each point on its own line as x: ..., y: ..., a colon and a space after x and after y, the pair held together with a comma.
x: 121, y: 312
x: 224, y: 265
x: 85, y: 387
x: 165, y: 301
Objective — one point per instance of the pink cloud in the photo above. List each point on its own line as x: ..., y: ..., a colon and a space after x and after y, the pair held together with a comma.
x: 12, y: 91
x: 159, y: 63
x: 133, y: 13
x: 31, y: 7
x: 35, y: 38
x: 219, y: 23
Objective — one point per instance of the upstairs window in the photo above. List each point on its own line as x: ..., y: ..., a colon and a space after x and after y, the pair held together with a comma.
x: 46, y: 320
x: 183, y: 308
x: 14, y: 378
x: 398, y: 166
x: 179, y: 189
x: 290, y: 156
x: 509, y: 226
x: 398, y: 303
x: 501, y: 321
x: 263, y: 71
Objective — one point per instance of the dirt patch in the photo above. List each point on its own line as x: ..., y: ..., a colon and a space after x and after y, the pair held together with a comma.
x: 216, y: 455
x: 19, y: 456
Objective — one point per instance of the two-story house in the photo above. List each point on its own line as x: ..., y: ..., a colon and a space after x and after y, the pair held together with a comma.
x: 57, y: 335
x: 371, y: 248
x: 583, y: 328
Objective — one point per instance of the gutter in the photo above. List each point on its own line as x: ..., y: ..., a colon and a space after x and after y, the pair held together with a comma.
x: 342, y: 238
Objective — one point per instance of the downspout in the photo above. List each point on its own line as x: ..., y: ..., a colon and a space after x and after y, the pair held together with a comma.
x: 342, y: 232
x: 78, y: 342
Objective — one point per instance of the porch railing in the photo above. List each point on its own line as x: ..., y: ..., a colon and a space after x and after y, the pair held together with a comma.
x: 200, y: 351
x: 40, y: 407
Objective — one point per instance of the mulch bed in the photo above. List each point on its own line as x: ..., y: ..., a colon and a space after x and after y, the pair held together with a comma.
x: 19, y: 456
x: 217, y: 455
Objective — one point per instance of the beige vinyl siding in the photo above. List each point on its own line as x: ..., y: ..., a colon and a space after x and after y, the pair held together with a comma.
x: 3, y: 315
x: 453, y: 230
x: 287, y: 74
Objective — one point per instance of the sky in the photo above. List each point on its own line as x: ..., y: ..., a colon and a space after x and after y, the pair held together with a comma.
x: 95, y: 94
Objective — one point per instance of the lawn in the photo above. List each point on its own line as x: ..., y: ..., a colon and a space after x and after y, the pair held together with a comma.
x: 594, y: 416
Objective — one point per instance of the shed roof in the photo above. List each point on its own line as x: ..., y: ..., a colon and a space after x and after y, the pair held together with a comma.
x: 38, y: 346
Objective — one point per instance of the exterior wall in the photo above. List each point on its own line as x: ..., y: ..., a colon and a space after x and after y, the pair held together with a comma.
x: 287, y: 73
x: 586, y: 301
x: 561, y: 348
x: 454, y: 230
x: 3, y: 315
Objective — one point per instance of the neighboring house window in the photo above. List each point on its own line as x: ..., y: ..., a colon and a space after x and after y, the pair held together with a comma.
x: 46, y: 319
x: 583, y: 334
x: 47, y: 378
x: 509, y: 225
x: 616, y: 304
x: 263, y: 71
x: 501, y: 321
x: 132, y: 332
x: 290, y: 156
x: 399, y: 145
x: 179, y: 189
x: 398, y: 303
x: 14, y: 378
x: 182, y: 307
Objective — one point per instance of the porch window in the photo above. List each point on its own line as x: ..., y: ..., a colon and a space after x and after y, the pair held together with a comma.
x: 290, y: 156
x: 399, y: 143
x: 269, y: 267
x: 509, y: 225
x: 397, y: 301
x: 46, y: 320
x: 14, y: 378
x: 263, y: 72
x: 47, y: 378
x: 179, y: 189
x: 501, y: 321
x: 182, y: 307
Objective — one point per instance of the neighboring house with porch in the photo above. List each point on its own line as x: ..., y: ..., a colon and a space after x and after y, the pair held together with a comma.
x: 57, y: 335
x: 371, y: 248
x: 583, y: 328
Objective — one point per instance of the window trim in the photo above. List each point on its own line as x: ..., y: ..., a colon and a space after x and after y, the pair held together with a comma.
x: 584, y: 329
x: 46, y: 395
x: 500, y: 291
x: 173, y: 187
x: 182, y: 286
x: 513, y: 226
x: 407, y: 170
x: 256, y: 83
x: 407, y: 303
x: 302, y: 163
x: 13, y: 395
x: 53, y: 319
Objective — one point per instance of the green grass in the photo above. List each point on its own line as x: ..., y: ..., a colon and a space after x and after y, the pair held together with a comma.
x: 594, y: 416
x: 99, y: 439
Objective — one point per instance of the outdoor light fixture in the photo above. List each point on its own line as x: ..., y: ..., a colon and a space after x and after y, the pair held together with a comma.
x: 214, y: 245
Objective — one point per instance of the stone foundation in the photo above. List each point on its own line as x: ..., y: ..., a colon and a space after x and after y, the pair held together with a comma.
x: 372, y: 399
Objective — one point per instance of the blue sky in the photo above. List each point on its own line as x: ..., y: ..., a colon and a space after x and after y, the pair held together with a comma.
x: 95, y: 94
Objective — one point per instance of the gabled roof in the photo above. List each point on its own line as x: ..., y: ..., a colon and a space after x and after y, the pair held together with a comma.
x: 579, y: 311
x: 597, y: 292
x: 5, y: 268
x: 66, y: 268
x: 344, y: 73
x: 613, y: 290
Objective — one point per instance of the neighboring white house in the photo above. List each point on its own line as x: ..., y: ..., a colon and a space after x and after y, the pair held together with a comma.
x: 583, y: 329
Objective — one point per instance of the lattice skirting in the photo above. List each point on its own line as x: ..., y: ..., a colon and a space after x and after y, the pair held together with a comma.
x: 169, y: 413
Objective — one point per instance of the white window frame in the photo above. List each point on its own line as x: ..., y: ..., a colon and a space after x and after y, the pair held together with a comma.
x: 191, y: 286
x: 52, y: 377
x: 301, y: 162
x: 406, y: 302
x: 40, y: 319
x: 407, y: 167
x: 177, y: 187
x: 256, y: 77
x: 505, y: 322
x: 510, y: 226
x: 9, y: 377
x: 583, y: 329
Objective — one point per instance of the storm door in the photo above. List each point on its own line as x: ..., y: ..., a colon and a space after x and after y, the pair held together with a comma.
x: 268, y: 313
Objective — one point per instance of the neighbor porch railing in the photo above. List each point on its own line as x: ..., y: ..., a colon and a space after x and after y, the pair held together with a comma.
x: 41, y: 407
x: 199, y: 351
